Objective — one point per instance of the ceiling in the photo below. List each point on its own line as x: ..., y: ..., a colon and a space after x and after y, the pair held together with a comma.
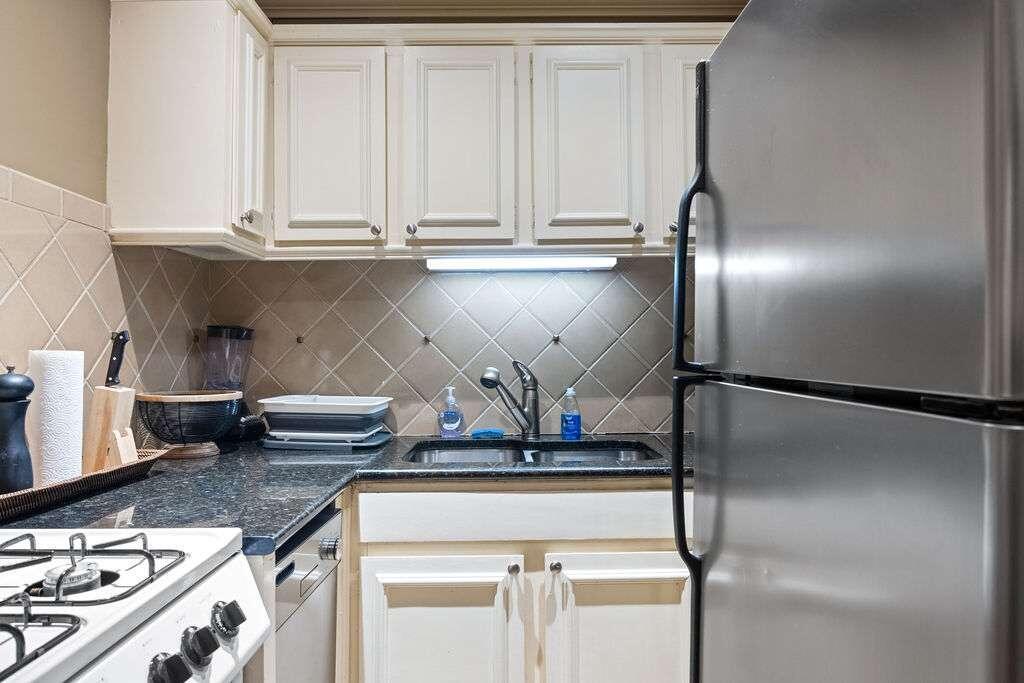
x: 490, y: 10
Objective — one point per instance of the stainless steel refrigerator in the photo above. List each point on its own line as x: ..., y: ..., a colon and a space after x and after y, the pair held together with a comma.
x: 858, y: 370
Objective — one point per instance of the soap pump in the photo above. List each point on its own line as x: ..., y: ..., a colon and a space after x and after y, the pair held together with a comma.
x: 450, y: 418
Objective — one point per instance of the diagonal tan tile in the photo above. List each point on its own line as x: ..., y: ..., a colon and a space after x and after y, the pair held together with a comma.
x: 395, y: 339
x: 427, y: 371
x: 178, y: 337
x: 460, y: 286
x: 299, y: 371
x: 405, y: 406
x: 7, y: 276
x: 620, y: 421
x: 618, y: 369
x: 138, y: 262
x: 331, y: 339
x: 460, y: 339
x: 587, y: 337
x: 619, y: 305
x: 234, y: 305
x: 650, y: 337
x: 84, y: 330
x: 30, y: 332
x: 427, y: 306
x: 555, y: 306
x: 395, y: 279
x: 491, y: 307
x: 331, y: 279
x: 650, y: 402
x: 271, y: 339
x: 364, y: 370
x: 524, y: 286
x: 24, y: 233
x: 194, y: 303
x: 555, y: 369
x: 141, y: 330
x: 491, y: 356
x: 298, y: 307
x: 588, y: 284
x: 179, y: 269
x: 158, y: 300
x: 52, y: 285
x: 649, y: 275
x: 159, y: 372
x: 471, y: 400
x: 106, y: 293
x: 424, y: 423
x: 362, y: 308
x: 86, y: 247
x: 523, y: 338
x: 267, y: 279
x: 264, y: 388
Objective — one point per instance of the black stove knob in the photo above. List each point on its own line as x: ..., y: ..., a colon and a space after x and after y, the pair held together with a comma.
x: 168, y: 668
x: 227, y: 617
x: 199, y: 644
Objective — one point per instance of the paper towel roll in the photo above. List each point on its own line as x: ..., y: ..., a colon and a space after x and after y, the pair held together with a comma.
x: 55, y: 414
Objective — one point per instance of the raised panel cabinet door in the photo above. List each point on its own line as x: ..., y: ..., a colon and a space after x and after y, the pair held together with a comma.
x: 253, y: 62
x: 614, y: 617
x: 588, y: 137
x: 329, y: 140
x: 459, y: 143
x: 678, y: 102
x: 438, y: 619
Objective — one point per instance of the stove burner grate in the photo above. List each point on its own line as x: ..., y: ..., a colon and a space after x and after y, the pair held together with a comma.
x: 15, y: 625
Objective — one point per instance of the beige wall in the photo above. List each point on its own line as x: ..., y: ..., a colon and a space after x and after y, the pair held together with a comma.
x: 53, y: 79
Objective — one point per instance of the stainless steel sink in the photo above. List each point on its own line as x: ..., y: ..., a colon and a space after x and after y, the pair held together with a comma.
x: 550, y: 452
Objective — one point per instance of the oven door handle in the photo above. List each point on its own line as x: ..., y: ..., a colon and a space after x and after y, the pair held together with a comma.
x: 284, y: 574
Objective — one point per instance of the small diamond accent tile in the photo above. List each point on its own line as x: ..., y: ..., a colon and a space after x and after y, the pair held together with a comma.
x: 427, y: 306
x: 619, y: 305
x: 395, y: 339
x: 618, y: 369
x: 556, y: 369
x: 460, y: 339
x: 491, y: 307
x: 555, y: 306
x: 587, y: 337
x: 524, y: 338
x: 427, y: 371
x: 363, y: 370
x: 395, y: 279
x: 650, y: 337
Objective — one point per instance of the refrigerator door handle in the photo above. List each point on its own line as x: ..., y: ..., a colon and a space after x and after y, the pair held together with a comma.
x: 692, y: 561
x: 697, y: 184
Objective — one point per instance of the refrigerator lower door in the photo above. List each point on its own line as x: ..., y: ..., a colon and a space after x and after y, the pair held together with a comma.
x: 852, y: 543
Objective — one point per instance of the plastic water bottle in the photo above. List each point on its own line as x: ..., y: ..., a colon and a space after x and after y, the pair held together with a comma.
x: 571, y: 427
x: 450, y: 417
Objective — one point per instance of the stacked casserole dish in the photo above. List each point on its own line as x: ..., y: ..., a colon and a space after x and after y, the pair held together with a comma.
x: 325, y: 422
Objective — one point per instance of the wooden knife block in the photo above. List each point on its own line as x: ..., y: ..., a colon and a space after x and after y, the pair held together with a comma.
x: 108, y: 434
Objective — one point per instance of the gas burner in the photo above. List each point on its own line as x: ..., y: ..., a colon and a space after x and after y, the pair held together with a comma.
x: 83, y: 575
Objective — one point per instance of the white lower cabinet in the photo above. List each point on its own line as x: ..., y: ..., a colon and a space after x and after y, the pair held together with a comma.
x: 613, y: 617
x: 443, y: 618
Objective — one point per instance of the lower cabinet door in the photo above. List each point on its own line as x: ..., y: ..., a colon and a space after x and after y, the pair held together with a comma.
x: 442, y: 618
x: 614, y: 617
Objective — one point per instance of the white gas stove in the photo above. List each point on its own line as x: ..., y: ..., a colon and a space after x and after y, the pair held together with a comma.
x: 147, y: 605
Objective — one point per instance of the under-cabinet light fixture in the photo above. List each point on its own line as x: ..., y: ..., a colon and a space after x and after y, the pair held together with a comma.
x: 495, y: 263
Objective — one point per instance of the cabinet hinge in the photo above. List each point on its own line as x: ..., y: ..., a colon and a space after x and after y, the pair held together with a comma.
x: 531, y: 70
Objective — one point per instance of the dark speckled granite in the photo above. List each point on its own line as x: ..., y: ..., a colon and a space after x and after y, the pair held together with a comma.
x: 268, y: 494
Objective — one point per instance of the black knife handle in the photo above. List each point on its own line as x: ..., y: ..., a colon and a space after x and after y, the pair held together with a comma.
x: 120, y: 341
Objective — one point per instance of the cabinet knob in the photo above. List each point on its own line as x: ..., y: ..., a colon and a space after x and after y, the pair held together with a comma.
x: 247, y: 217
x: 513, y: 568
x: 375, y: 230
x: 555, y: 567
x: 638, y: 228
x: 411, y: 228
x: 673, y: 227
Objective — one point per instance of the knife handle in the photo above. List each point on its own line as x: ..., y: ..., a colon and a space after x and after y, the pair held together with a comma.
x: 120, y: 341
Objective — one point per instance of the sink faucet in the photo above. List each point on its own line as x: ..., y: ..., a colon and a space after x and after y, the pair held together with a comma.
x: 526, y: 413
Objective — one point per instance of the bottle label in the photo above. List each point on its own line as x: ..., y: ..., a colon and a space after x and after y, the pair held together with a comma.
x: 571, y: 428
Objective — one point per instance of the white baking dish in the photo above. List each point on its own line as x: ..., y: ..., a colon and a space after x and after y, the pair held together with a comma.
x: 327, y: 405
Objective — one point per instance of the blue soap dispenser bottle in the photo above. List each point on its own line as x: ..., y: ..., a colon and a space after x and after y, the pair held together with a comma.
x: 450, y: 418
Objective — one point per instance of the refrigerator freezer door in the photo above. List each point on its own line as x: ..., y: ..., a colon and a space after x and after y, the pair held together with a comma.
x: 851, y: 543
x: 864, y: 216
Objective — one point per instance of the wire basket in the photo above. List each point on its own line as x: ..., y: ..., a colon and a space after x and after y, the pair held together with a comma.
x: 192, y: 420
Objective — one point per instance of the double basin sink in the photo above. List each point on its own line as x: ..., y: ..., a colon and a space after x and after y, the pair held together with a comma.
x: 507, y: 452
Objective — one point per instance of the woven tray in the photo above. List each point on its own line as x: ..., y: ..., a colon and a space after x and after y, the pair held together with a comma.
x: 32, y: 501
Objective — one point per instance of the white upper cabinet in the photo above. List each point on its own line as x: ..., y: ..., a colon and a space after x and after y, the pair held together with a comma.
x: 253, y: 65
x: 458, y: 132
x: 330, y: 170
x: 187, y: 125
x: 678, y: 103
x: 588, y: 150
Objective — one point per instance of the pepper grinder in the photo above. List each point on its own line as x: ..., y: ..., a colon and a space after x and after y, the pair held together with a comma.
x: 15, y: 461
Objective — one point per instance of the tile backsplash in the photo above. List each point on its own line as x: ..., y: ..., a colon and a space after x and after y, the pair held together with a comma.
x: 392, y: 328
x: 62, y: 286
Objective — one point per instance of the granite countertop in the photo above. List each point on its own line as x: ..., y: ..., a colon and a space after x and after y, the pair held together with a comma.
x: 270, y: 493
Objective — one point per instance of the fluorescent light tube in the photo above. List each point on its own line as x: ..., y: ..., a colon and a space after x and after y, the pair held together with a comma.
x: 494, y: 263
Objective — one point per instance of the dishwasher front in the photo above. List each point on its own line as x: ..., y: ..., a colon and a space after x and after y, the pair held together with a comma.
x: 306, y: 602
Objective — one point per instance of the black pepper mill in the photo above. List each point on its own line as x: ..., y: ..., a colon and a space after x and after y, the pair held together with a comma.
x: 15, y: 461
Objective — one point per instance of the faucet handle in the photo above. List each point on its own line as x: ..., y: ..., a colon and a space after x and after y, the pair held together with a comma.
x: 526, y: 377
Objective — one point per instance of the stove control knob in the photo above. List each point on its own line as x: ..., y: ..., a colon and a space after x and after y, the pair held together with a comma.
x: 330, y: 548
x: 227, y: 617
x: 199, y: 644
x: 167, y: 668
